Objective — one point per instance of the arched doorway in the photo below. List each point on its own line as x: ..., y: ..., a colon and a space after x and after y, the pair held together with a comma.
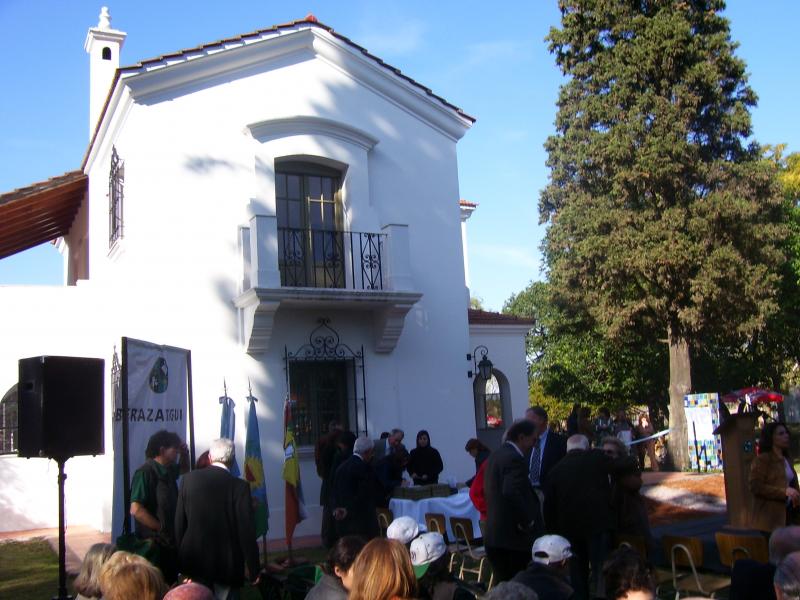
x: 492, y: 408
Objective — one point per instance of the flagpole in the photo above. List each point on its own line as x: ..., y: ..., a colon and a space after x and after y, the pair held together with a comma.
x: 264, y: 536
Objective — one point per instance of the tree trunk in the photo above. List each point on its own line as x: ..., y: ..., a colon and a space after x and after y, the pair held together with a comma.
x: 680, y: 384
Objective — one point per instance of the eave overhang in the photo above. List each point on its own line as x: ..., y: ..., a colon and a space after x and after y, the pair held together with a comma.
x: 41, y: 212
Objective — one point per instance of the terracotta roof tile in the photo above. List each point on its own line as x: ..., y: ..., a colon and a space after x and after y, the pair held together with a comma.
x: 308, y: 20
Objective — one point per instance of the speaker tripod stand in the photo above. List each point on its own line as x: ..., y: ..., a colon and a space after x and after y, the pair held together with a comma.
x: 62, y: 534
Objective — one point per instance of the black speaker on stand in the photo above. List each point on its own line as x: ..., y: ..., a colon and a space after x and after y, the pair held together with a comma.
x: 60, y: 416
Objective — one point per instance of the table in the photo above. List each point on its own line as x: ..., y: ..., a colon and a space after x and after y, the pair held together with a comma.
x: 457, y: 505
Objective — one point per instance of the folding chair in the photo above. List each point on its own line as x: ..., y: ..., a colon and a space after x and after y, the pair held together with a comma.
x: 685, y: 552
x: 436, y: 522
x: 385, y: 517
x: 465, y: 536
x: 733, y: 546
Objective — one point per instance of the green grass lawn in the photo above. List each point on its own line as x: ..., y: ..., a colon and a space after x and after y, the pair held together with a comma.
x: 29, y: 570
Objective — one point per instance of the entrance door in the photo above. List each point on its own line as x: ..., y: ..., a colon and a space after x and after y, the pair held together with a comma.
x: 319, y: 389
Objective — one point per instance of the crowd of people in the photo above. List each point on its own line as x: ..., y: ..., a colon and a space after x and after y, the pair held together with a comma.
x: 551, y: 507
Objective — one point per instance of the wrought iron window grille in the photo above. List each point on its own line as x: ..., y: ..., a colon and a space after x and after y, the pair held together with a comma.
x: 325, y: 346
x: 116, y: 183
x: 331, y: 259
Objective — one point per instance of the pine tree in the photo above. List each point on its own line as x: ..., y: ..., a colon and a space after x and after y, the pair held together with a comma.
x: 659, y: 211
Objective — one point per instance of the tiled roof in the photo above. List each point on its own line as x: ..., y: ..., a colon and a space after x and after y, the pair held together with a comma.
x: 309, y: 20
x: 40, y: 212
x: 485, y: 317
x: 467, y: 203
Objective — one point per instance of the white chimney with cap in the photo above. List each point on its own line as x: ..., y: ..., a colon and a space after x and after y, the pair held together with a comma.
x: 103, y: 45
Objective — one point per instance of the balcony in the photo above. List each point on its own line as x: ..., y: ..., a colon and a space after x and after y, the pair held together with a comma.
x: 368, y: 272
x: 331, y: 259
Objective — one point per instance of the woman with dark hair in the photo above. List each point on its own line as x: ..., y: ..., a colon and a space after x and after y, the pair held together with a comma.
x: 773, y: 481
x: 479, y: 452
x: 424, y: 462
x: 573, y: 419
x: 337, y: 572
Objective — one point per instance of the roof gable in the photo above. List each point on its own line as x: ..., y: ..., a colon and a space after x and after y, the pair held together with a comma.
x: 152, y: 77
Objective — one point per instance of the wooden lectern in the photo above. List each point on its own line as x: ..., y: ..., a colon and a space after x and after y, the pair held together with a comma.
x: 738, y: 451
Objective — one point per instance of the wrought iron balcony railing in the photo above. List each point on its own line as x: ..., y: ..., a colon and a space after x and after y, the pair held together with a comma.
x: 331, y: 259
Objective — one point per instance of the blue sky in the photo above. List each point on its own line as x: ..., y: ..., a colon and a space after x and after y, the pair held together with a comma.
x: 488, y: 58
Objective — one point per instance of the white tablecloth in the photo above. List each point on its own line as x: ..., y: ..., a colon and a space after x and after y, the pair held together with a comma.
x: 457, y: 505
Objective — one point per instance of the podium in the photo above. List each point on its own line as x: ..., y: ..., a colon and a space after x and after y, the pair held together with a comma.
x: 738, y: 451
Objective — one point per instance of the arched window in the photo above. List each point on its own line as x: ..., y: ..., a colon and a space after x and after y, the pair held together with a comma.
x: 9, y: 422
x: 489, y: 413
x: 106, y: 53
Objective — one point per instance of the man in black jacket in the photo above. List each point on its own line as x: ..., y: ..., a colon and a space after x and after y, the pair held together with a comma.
x: 514, y: 516
x: 214, y: 525
x: 577, y: 506
x: 355, y: 492
x: 547, y: 573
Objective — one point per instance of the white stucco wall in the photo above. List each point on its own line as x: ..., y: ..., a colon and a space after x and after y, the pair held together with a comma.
x: 193, y: 170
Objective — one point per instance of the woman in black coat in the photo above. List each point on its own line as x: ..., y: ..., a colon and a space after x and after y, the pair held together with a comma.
x: 425, y: 463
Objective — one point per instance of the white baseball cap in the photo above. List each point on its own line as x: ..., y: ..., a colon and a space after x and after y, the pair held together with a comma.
x: 550, y: 549
x: 424, y: 550
x: 403, y: 529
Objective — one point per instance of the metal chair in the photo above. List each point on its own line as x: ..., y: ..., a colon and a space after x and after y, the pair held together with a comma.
x: 436, y: 522
x: 464, y: 537
x: 732, y: 547
x: 638, y: 543
x: 685, y: 552
x: 385, y: 517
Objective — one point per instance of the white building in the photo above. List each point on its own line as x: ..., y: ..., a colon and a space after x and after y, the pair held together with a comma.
x: 233, y: 199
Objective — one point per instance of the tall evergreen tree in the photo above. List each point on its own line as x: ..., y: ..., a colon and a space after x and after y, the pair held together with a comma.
x: 660, y: 212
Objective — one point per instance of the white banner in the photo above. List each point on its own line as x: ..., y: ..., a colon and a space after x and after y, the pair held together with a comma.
x: 157, y: 398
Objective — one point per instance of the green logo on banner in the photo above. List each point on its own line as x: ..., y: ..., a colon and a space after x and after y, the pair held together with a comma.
x: 159, y: 376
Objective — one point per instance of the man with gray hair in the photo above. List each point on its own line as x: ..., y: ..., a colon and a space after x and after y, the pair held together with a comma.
x: 355, y: 493
x: 753, y: 580
x: 214, y: 526
x: 787, y: 578
x: 387, y: 446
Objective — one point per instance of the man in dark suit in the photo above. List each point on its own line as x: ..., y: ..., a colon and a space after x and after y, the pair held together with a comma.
x: 214, y: 525
x: 577, y: 506
x: 355, y: 493
x: 546, y: 452
x: 386, y: 446
x: 513, y: 519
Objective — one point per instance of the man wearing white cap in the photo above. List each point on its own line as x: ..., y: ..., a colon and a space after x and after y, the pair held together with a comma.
x: 403, y: 529
x: 547, y: 573
x: 430, y: 560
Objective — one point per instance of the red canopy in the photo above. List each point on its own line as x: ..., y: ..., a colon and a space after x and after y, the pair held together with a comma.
x: 757, y: 395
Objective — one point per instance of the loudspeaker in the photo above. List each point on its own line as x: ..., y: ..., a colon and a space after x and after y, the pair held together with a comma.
x: 60, y: 406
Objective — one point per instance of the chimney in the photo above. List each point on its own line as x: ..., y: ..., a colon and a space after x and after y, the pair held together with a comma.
x: 103, y: 45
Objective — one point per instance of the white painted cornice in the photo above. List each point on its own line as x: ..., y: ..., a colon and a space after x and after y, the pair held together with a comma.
x: 119, y: 105
x: 173, y: 73
x: 308, y: 125
x: 155, y: 79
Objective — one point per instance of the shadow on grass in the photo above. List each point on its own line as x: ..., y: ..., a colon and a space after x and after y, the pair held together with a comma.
x: 29, y: 570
